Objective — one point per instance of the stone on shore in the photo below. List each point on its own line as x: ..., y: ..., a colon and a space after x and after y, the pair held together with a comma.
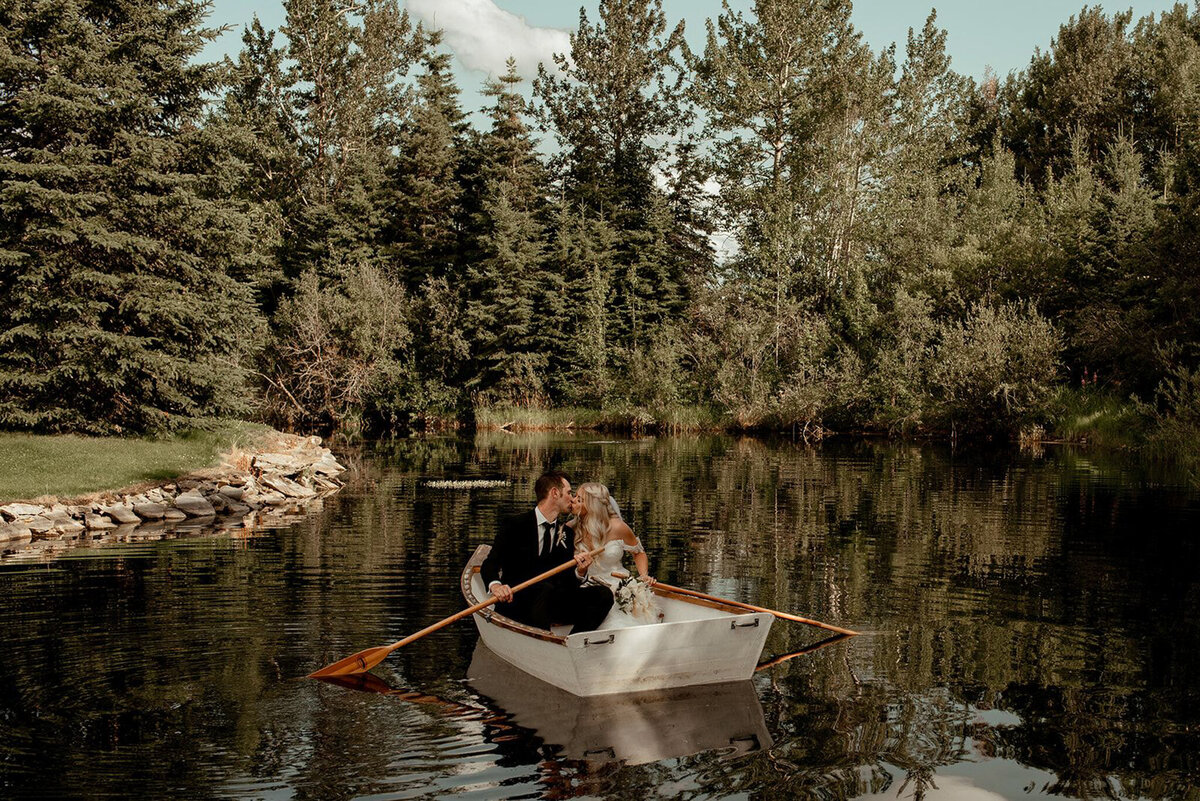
x: 38, y: 524
x: 17, y: 511
x: 278, y: 463
x: 328, y: 466
x: 122, y: 513
x: 193, y: 504
x: 278, y: 484
x: 288, y: 487
x: 149, y: 510
x: 14, y: 531
x: 98, y: 522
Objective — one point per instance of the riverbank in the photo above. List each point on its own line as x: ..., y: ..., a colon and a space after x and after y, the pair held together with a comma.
x: 236, y: 473
x: 1085, y: 417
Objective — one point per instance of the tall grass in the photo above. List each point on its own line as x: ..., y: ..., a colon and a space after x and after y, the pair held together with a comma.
x: 631, y: 418
x: 1095, y: 416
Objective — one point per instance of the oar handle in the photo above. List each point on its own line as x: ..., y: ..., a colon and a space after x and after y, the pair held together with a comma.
x: 778, y: 614
x: 470, y: 610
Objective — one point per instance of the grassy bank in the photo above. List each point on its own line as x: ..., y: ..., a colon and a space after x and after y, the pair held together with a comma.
x: 567, y: 418
x: 68, y: 465
x: 1095, y: 418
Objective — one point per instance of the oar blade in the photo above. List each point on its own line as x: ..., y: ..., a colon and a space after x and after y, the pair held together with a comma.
x: 355, y: 663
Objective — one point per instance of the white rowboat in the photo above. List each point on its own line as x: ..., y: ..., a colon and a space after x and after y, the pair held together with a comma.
x: 698, y: 642
x: 632, y: 728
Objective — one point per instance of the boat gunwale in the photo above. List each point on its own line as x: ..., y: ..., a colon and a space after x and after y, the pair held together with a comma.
x: 495, y: 618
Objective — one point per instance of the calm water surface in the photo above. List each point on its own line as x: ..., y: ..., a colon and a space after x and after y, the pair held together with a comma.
x: 1031, y: 628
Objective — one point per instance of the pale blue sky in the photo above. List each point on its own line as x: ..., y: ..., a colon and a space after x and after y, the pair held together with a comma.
x: 483, y: 32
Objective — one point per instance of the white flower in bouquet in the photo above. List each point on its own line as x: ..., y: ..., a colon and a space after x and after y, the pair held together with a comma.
x: 634, y: 598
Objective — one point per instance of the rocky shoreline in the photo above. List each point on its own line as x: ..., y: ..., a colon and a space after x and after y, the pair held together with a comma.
x: 288, y: 472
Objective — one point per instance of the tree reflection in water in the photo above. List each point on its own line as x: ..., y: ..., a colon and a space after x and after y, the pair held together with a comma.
x: 1030, y: 619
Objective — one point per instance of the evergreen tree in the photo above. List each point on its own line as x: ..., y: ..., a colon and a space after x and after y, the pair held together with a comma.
x: 328, y: 103
x: 121, y: 312
x: 618, y: 108
x: 507, y: 310
x: 425, y: 196
x: 1086, y: 80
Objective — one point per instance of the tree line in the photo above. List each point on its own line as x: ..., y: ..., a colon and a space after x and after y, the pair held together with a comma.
x: 784, y: 227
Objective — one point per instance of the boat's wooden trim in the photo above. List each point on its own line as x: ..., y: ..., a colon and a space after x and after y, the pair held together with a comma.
x: 675, y: 596
x: 491, y: 615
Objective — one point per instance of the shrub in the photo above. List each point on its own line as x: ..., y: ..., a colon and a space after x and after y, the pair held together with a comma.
x: 338, y: 352
x: 993, y: 370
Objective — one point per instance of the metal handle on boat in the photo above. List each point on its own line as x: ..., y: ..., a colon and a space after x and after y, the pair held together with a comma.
x: 587, y: 642
x: 733, y: 624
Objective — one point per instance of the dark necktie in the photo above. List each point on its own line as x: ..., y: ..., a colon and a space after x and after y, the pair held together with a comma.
x: 547, y: 528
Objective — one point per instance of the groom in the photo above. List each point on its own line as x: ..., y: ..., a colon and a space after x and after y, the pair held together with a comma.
x: 532, y: 543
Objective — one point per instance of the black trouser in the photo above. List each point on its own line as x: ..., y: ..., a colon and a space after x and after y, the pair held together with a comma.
x: 584, y: 608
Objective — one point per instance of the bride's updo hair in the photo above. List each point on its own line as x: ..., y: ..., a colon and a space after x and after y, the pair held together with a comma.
x: 594, y: 523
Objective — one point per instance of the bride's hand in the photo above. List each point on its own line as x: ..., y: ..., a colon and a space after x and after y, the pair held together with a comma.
x: 582, y: 560
x: 649, y: 580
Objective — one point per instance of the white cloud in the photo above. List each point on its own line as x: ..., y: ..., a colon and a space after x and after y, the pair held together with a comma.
x: 483, y: 35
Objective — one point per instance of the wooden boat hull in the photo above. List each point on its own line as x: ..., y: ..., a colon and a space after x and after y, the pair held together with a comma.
x: 698, y: 643
x: 631, y: 728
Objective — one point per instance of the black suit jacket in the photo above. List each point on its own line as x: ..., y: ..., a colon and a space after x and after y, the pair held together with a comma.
x: 514, y: 557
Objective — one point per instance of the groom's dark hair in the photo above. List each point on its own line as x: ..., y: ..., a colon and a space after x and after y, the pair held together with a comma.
x: 548, y: 481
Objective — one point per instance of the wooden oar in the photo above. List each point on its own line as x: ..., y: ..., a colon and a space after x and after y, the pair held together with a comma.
x: 805, y: 651
x: 365, y: 660
x: 781, y: 615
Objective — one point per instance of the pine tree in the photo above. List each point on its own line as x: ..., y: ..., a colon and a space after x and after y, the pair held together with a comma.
x: 324, y: 111
x: 507, y: 282
x: 121, y: 312
x: 620, y: 113
x: 425, y: 196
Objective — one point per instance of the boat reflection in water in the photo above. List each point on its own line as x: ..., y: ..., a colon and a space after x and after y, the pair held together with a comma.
x: 632, y: 728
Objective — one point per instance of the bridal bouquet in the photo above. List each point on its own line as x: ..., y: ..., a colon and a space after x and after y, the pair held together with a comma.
x: 634, y: 598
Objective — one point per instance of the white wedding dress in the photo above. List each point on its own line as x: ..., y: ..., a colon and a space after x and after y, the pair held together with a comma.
x: 643, y: 610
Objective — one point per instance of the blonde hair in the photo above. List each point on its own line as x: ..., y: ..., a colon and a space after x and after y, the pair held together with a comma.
x: 593, y: 526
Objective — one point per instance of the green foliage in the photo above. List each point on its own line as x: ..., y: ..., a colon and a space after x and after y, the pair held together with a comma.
x: 339, y: 356
x: 509, y: 291
x: 1174, y: 417
x: 122, y: 308
x: 994, y: 370
x: 618, y: 108
x: 424, y: 203
x: 902, y: 249
x: 1089, y: 413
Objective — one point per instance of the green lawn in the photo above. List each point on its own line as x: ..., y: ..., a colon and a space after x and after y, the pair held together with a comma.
x: 67, y: 465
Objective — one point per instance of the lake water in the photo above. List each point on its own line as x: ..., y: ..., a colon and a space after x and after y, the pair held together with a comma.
x: 1031, y: 628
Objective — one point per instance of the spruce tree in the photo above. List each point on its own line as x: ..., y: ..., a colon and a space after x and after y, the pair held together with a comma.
x: 424, y: 198
x: 120, y: 313
x: 618, y: 107
x: 346, y: 92
x: 508, y: 316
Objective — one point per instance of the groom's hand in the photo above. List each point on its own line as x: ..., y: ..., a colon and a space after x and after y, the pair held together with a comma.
x: 503, y: 593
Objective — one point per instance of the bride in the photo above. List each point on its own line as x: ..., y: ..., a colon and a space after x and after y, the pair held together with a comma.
x: 597, y: 524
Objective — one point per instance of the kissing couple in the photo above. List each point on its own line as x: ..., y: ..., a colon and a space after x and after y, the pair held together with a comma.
x: 568, y: 524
